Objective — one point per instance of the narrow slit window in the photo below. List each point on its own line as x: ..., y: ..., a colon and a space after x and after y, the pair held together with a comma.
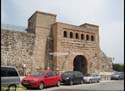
x: 87, y: 37
x: 92, y: 38
x: 71, y: 35
x: 77, y: 36
x: 82, y: 36
x: 65, y: 34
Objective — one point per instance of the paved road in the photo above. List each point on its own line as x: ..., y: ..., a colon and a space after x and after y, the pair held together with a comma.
x: 112, y: 85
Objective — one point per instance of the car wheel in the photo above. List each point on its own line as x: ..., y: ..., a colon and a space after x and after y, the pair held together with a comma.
x: 70, y: 82
x: 58, y: 83
x: 90, y: 81
x: 12, y: 88
x: 119, y: 78
x: 98, y: 81
x: 28, y: 88
x: 41, y: 86
x: 81, y: 82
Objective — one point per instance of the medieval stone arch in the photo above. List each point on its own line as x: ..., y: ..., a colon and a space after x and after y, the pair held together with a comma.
x: 80, y: 64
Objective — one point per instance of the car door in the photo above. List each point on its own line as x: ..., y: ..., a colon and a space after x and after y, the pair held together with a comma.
x: 54, y: 78
x: 98, y: 77
x: 49, y: 79
x: 78, y: 77
x: 92, y: 77
x: 75, y: 77
x: 95, y: 78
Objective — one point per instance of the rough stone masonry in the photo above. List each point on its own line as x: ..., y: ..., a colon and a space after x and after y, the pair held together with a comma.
x: 48, y: 44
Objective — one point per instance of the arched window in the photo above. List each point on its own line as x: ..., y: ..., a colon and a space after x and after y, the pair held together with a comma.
x: 92, y: 38
x: 82, y: 36
x: 87, y: 37
x: 77, y: 36
x: 64, y: 34
x: 71, y: 35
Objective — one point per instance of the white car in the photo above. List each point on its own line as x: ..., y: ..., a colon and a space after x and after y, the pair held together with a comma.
x: 10, y: 78
x: 89, y: 78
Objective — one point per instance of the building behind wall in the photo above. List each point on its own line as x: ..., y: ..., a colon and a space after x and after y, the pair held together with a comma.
x: 48, y: 44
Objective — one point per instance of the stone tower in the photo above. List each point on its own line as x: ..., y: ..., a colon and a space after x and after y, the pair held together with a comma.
x: 40, y: 24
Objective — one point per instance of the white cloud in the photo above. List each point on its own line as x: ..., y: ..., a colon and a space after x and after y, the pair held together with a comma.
x: 112, y: 40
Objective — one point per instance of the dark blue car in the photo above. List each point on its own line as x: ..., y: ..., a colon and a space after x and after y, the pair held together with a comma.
x: 117, y: 76
x: 72, y: 77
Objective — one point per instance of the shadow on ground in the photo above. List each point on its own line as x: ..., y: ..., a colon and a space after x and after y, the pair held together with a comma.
x: 83, y: 90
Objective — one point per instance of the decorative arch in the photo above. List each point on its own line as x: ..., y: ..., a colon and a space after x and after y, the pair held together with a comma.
x: 80, y: 64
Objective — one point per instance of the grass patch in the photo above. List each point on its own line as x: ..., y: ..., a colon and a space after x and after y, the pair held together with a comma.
x: 21, y: 88
x: 17, y: 88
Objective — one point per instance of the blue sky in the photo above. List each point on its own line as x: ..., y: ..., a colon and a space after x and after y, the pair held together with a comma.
x: 108, y: 14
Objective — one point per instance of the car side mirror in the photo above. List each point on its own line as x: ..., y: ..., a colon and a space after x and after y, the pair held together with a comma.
x: 46, y: 76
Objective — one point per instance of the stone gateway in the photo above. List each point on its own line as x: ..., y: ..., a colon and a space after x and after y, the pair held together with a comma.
x: 48, y: 44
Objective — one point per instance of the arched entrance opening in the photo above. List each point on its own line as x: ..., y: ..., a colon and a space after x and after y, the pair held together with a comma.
x: 80, y: 64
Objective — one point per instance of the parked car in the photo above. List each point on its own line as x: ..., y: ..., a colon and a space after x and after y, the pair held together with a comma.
x: 117, y: 76
x: 89, y: 78
x: 41, y: 79
x: 72, y: 77
x: 10, y: 78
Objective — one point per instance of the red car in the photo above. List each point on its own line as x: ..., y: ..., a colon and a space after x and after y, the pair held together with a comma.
x: 41, y: 79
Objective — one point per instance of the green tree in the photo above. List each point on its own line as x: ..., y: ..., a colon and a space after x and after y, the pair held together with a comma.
x: 118, y: 67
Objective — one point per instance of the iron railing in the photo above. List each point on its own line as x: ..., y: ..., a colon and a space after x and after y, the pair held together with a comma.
x: 14, y: 27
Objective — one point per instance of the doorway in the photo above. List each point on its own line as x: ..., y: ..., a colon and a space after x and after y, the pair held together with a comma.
x: 80, y: 64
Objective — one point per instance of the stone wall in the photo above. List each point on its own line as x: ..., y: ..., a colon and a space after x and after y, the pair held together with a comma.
x: 17, y: 49
x: 105, y: 62
x: 45, y: 36
x: 67, y: 48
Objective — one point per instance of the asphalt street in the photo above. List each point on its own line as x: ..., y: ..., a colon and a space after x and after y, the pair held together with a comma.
x: 111, y: 85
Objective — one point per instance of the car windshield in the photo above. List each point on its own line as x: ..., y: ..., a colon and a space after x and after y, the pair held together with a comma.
x: 91, y: 74
x: 67, y: 74
x: 122, y: 73
x: 38, y: 74
x: 118, y: 73
x: 88, y: 75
